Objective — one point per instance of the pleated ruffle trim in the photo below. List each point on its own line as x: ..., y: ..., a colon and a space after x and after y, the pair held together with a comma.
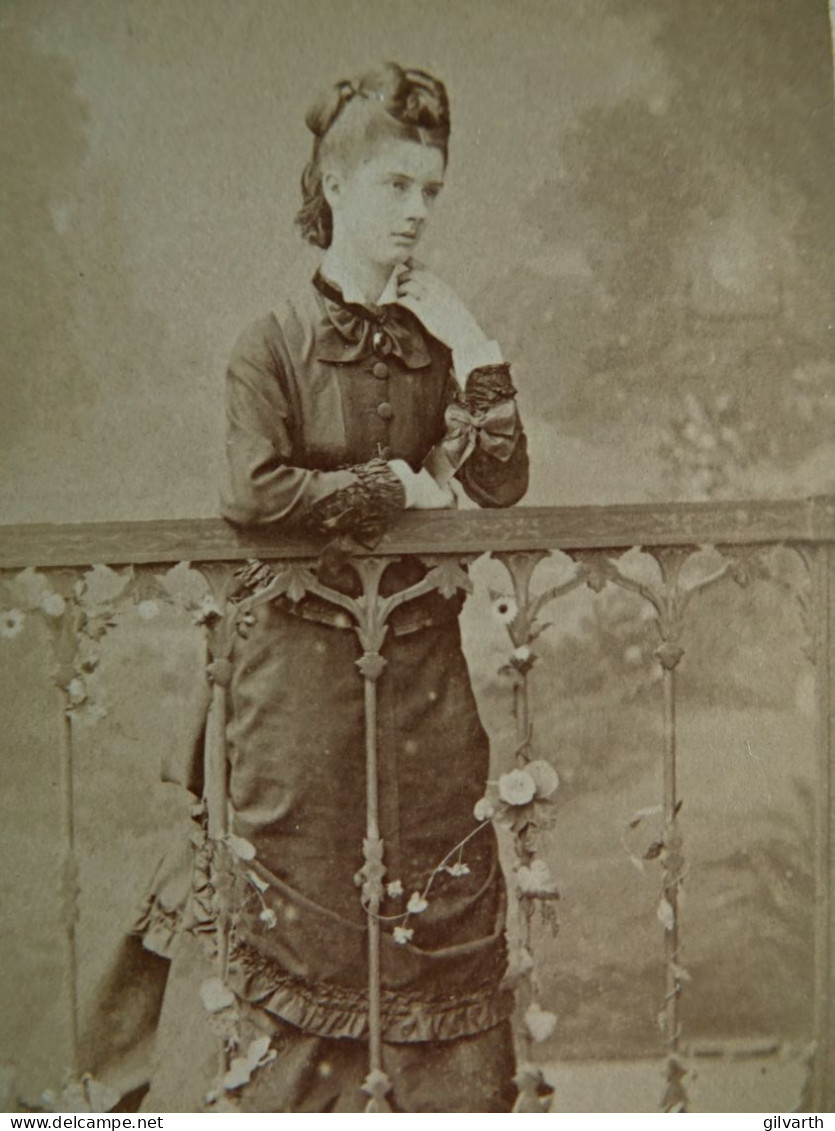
x: 329, y: 1010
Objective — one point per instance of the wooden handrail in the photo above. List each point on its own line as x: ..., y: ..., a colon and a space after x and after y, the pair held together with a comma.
x: 468, y: 531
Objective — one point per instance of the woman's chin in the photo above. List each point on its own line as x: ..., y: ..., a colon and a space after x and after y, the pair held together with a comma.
x: 402, y: 254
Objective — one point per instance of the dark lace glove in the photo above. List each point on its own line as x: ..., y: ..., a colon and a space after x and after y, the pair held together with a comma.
x: 488, y: 385
x: 362, y: 510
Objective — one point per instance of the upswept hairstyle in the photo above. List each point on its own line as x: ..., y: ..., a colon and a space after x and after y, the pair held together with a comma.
x: 388, y: 102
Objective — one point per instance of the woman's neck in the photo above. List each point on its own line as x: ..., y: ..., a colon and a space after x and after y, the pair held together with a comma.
x: 359, y: 279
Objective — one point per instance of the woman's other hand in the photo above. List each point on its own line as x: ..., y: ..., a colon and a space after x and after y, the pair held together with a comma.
x: 439, y: 308
x: 422, y: 491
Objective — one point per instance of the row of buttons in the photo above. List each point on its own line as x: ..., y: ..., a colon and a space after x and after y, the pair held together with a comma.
x: 381, y: 372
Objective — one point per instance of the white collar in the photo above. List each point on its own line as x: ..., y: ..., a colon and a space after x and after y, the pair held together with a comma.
x: 338, y: 273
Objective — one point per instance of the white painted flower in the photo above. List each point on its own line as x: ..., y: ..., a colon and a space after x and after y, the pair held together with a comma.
x: 522, y: 653
x: 459, y: 868
x: 268, y: 917
x: 505, y: 609
x: 536, y: 879
x: 666, y: 915
x: 416, y: 903
x: 484, y: 810
x: 403, y: 935
x: 11, y: 623
x: 540, y: 1022
x: 394, y: 889
x: 215, y: 995
x: 238, y: 1073
x: 517, y: 787
x: 546, y: 779
x: 242, y: 848
x: 148, y: 609
x: 87, y: 714
x: 77, y: 690
x: 30, y: 588
x: 53, y: 604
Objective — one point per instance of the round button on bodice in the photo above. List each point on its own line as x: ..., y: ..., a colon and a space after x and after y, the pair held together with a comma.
x: 385, y: 411
x: 380, y: 370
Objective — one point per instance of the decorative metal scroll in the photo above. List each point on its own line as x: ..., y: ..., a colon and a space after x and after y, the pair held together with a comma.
x: 669, y: 601
x: 80, y: 606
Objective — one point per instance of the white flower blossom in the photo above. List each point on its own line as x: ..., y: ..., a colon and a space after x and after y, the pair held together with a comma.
x: 77, y: 690
x: 148, y: 609
x: 215, y: 995
x: 540, y: 1022
x: 517, y: 787
x: 522, y: 653
x: 268, y: 917
x: 416, y: 903
x: 53, y: 604
x: 394, y: 889
x: 484, y: 810
x: 242, y: 848
x: 666, y: 915
x: 536, y: 879
x: 11, y: 623
x: 403, y: 935
x: 546, y: 779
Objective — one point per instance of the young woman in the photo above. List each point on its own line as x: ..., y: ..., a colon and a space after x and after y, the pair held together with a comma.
x: 363, y: 393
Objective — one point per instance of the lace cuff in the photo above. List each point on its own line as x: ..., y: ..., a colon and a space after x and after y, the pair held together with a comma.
x: 364, y: 508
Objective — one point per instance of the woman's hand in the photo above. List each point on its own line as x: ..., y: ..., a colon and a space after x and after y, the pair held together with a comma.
x: 422, y: 491
x: 439, y: 308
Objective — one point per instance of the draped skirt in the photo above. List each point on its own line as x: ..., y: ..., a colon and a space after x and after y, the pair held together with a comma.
x: 298, y: 940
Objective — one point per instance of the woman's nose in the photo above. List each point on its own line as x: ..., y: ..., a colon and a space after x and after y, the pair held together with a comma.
x: 417, y: 205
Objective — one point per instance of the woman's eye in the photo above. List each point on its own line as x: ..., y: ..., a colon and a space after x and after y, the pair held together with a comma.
x: 431, y: 194
x: 400, y: 186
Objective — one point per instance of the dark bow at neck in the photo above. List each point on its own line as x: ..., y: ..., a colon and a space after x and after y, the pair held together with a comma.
x: 355, y: 330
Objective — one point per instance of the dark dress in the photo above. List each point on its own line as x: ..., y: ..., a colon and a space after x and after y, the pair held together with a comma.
x: 312, y: 389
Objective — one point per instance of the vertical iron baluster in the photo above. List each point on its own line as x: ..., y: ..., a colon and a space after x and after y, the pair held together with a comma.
x: 669, y: 653
x: 65, y: 639
x: 521, y: 565
x: 219, y: 636
x: 371, y: 630
x: 823, y: 596
x: 69, y: 878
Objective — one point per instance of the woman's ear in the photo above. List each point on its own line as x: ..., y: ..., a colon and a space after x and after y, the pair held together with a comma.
x: 331, y: 186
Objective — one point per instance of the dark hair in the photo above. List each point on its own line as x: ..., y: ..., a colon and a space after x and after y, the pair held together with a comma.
x: 390, y: 101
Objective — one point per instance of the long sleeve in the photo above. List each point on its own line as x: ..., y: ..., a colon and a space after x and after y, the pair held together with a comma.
x: 490, y: 482
x: 261, y: 483
x: 489, y: 479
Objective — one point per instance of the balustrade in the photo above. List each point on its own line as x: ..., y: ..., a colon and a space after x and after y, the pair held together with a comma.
x: 49, y: 572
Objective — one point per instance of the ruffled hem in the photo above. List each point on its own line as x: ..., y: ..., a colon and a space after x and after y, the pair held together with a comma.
x: 157, y: 928
x: 329, y: 1010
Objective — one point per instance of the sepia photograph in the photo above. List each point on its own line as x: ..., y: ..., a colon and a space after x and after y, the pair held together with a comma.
x: 417, y: 557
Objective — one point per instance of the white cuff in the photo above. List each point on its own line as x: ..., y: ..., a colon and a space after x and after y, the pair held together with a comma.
x: 422, y: 491
x: 468, y: 358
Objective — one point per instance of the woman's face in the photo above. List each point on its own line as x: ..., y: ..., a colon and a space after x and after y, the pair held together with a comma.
x: 380, y: 206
